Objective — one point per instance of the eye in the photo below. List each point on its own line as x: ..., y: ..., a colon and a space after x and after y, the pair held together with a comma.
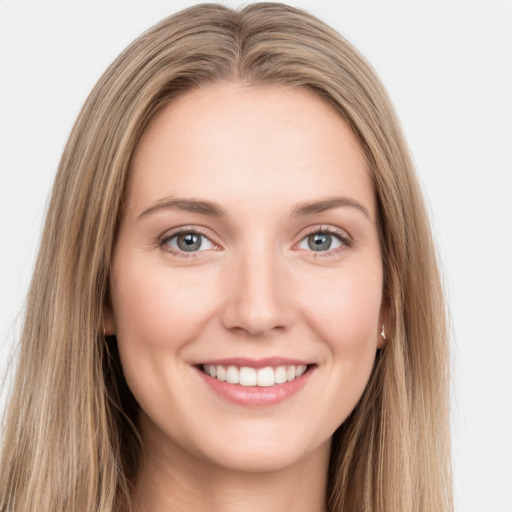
x: 323, y: 241
x: 188, y: 241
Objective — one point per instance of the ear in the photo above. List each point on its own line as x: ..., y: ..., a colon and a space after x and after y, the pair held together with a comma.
x: 109, y: 321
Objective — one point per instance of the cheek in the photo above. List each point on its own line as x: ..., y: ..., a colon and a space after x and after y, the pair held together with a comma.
x: 345, y: 308
x: 346, y: 318
x: 344, y: 313
x: 158, y: 312
x: 156, y: 309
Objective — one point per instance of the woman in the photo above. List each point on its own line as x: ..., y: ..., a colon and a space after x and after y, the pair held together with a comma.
x: 237, y: 289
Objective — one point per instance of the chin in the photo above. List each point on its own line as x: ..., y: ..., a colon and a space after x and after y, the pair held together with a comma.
x: 261, y: 452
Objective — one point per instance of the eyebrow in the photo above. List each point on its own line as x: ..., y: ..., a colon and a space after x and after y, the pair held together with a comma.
x: 214, y: 210
x: 187, y: 205
x: 313, y: 207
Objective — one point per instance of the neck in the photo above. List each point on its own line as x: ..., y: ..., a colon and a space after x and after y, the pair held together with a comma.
x: 173, y: 480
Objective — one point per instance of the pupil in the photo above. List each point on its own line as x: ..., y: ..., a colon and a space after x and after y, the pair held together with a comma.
x: 319, y: 242
x: 189, y: 242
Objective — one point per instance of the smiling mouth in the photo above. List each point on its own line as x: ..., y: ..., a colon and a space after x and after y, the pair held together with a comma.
x: 259, y: 377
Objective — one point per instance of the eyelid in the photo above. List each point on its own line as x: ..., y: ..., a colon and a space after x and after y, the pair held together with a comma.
x: 169, y: 234
x: 344, y: 237
x: 346, y: 240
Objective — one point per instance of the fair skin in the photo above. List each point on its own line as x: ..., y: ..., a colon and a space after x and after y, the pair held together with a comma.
x: 248, y: 239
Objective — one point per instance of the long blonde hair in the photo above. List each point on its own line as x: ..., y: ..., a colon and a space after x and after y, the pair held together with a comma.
x: 70, y: 439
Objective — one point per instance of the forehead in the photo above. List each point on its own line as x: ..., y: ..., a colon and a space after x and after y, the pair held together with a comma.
x: 251, y: 142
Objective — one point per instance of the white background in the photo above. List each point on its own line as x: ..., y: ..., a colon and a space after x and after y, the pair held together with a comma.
x: 448, y: 67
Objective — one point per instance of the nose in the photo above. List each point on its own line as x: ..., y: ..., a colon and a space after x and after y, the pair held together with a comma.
x: 257, y: 299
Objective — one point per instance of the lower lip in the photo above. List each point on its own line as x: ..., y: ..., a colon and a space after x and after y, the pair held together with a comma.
x: 256, y: 396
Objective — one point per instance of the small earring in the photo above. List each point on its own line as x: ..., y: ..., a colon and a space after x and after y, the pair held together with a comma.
x: 383, y: 332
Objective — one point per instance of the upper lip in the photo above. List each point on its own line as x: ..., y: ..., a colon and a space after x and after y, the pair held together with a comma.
x: 255, y: 363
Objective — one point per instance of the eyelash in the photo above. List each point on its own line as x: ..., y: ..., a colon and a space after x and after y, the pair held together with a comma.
x: 165, y: 239
x: 345, y: 241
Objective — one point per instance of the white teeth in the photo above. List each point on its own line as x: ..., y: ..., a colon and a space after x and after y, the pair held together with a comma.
x: 266, y: 377
x: 221, y: 373
x: 232, y: 375
x: 280, y: 374
x: 300, y: 370
x: 247, y: 376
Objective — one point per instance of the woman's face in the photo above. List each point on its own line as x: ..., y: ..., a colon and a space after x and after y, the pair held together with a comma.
x: 247, y: 253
